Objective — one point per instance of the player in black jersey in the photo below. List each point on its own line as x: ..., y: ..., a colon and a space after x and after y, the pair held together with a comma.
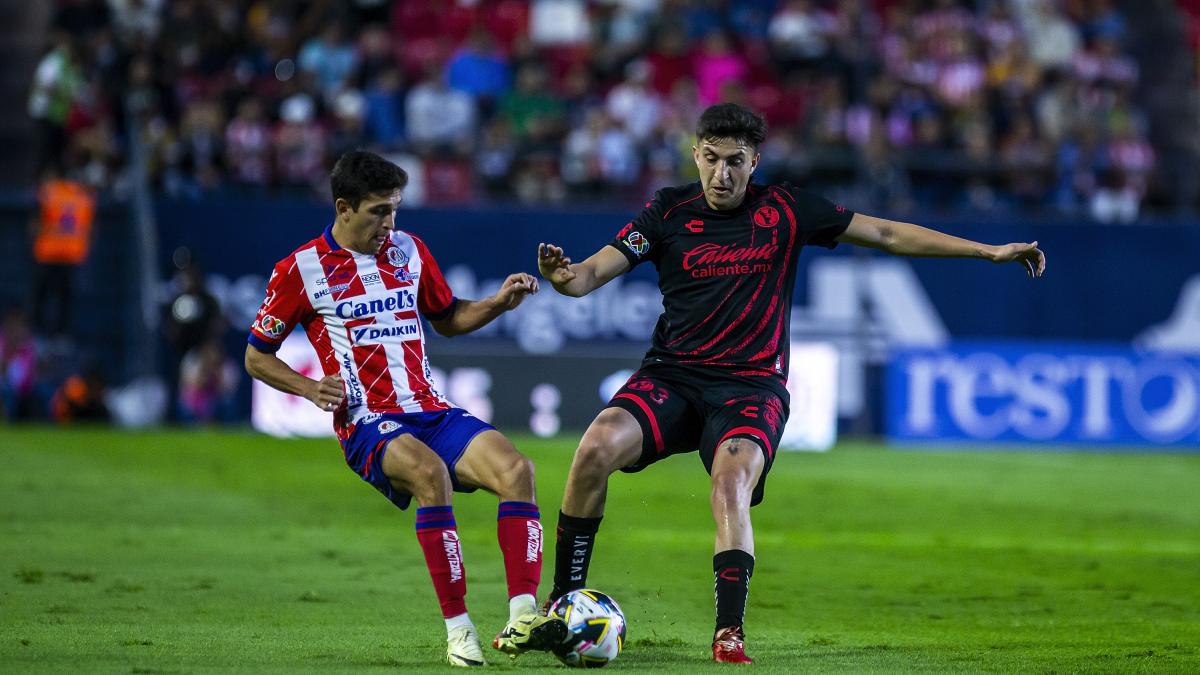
x: 713, y: 380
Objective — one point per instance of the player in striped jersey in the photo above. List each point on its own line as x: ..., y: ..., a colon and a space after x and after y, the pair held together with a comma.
x: 358, y: 290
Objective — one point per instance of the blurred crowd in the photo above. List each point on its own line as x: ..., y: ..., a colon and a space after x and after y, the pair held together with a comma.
x: 981, y: 105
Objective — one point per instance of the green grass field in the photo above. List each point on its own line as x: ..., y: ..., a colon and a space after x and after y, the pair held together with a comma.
x: 185, y: 552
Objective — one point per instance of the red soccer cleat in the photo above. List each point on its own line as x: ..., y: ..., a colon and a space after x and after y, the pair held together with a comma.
x: 729, y: 646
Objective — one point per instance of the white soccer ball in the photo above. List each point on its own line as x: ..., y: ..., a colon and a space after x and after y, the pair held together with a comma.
x: 596, y: 625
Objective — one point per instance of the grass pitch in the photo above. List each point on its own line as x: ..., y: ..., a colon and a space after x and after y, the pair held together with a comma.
x: 197, y: 551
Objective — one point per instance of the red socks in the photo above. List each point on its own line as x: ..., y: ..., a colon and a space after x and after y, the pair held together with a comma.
x: 438, y: 536
x: 520, y: 533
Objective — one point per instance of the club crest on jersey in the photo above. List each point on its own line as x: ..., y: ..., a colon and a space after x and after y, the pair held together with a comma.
x: 270, y: 325
x: 397, y: 257
x: 388, y: 426
x: 766, y: 216
x: 637, y: 243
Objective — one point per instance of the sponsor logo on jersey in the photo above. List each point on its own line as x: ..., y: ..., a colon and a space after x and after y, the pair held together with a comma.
x: 766, y: 216
x: 370, y: 417
x: 407, y: 329
x: 371, y: 279
x: 709, y: 253
x: 637, y: 243
x: 354, y: 390
x: 269, y: 325
x: 718, y: 260
x: 397, y: 257
x: 335, y: 276
x: 399, y: 301
x: 329, y: 291
x: 405, y: 275
x: 388, y: 426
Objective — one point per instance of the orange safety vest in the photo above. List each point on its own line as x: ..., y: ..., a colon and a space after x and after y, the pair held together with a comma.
x: 65, y: 232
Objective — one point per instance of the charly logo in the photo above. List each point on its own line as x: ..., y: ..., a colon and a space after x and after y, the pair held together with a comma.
x: 397, y: 257
x: 637, y: 243
x: 766, y: 216
x: 270, y: 325
x: 388, y: 426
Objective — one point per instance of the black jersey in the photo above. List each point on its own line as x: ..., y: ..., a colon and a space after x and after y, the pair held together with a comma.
x: 727, y: 277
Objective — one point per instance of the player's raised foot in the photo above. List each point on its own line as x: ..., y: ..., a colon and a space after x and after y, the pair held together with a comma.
x: 532, y: 631
x: 462, y: 647
x: 729, y: 646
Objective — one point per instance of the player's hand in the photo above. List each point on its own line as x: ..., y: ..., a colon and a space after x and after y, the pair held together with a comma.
x: 553, y: 265
x: 514, y: 289
x: 1029, y: 255
x: 328, y: 393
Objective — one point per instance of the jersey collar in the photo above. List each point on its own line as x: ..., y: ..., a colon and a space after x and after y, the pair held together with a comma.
x: 333, y: 245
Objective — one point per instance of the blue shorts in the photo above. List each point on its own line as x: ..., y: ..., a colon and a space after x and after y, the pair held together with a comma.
x: 446, y: 432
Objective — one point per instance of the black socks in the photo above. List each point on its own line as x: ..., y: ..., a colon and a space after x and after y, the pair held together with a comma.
x: 573, y: 553
x: 732, y: 570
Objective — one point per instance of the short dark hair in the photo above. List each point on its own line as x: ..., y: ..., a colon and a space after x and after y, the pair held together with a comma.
x: 359, y: 173
x: 730, y: 120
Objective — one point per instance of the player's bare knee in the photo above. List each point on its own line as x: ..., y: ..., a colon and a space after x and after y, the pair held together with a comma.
x: 731, y: 489
x: 430, y: 485
x: 517, y: 475
x: 595, y: 459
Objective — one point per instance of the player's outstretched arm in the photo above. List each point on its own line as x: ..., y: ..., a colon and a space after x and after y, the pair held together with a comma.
x: 907, y: 239
x: 326, y: 393
x: 579, y: 279
x: 469, y: 315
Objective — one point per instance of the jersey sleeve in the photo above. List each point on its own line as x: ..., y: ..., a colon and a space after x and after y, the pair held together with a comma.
x: 285, y: 306
x: 821, y: 221
x: 641, y: 237
x: 435, y: 300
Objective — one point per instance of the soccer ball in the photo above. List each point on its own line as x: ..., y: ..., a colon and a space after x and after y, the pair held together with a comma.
x: 596, y: 625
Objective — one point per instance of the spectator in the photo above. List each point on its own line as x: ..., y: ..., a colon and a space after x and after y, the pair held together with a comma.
x: 634, y: 103
x: 384, y: 100
x: 248, y: 144
x: 440, y: 118
x: 1052, y: 40
x: 530, y: 104
x: 193, y: 317
x: 799, y: 35
x: 299, y: 144
x: 80, y: 398
x: 716, y: 63
x: 479, y: 69
x: 57, y: 83
x: 18, y: 367
x: 331, y: 58
x: 62, y: 237
x: 208, y: 379
x: 349, y: 123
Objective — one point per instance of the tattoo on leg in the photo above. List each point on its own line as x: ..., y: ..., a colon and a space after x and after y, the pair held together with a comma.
x: 734, y: 446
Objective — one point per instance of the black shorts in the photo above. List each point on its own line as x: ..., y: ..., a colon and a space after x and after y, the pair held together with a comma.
x: 681, y: 410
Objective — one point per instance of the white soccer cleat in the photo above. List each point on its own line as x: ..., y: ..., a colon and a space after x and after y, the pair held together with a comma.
x: 462, y: 648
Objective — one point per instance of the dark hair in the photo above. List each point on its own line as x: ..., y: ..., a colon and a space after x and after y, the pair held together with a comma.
x: 730, y: 120
x: 359, y: 173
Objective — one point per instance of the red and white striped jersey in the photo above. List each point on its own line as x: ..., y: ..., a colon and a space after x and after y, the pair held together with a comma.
x: 360, y: 313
